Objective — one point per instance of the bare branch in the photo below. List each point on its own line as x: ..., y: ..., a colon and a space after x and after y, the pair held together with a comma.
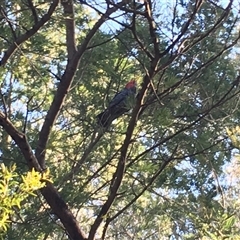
x: 152, y: 27
x: 106, y: 41
x: 33, y: 10
x: 9, y: 22
x: 133, y: 29
x: 64, y: 87
x: 70, y: 27
x: 79, y: 163
x: 28, y: 34
x: 186, y: 76
x: 21, y: 141
x: 51, y: 195
x: 26, y: 116
x: 118, y: 175
x: 55, y: 75
x: 163, y: 166
x: 207, y: 33
x: 184, y: 28
x: 201, y: 115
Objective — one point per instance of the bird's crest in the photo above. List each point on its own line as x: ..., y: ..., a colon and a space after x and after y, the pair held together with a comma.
x: 131, y: 84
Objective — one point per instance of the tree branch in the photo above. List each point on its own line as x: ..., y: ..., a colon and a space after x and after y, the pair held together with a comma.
x: 21, y: 141
x: 70, y: 27
x: 9, y: 22
x: 95, y: 139
x: 184, y: 28
x: 28, y: 34
x: 170, y: 159
x: 118, y: 175
x: 51, y: 195
x: 202, y: 115
x: 207, y: 33
x: 152, y: 27
x: 134, y: 32
x: 163, y: 166
x: 33, y: 10
x: 64, y: 87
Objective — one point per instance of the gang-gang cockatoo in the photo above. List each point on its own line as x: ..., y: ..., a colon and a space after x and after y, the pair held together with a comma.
x: 118, y: 105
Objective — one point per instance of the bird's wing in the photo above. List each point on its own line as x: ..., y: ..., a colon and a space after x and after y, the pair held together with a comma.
x: 118, y: 98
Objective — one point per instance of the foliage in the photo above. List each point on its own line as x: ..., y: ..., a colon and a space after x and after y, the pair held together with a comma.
x: 158, y: 172
x: 13, y: 193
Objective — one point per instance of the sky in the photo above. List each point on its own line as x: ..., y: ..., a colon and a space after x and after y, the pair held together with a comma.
x: 165, y: 8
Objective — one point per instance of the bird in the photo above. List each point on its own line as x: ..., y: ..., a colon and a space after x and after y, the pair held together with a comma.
x: 118, y: 105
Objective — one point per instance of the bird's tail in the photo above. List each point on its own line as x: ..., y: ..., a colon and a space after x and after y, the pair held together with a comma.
x: 104, y: 118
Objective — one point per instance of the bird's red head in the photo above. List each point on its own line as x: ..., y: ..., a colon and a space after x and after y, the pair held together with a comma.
x: 131, y: 84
